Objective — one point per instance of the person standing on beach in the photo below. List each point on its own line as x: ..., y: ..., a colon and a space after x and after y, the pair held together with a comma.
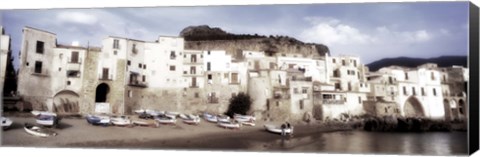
x: 283, y: 129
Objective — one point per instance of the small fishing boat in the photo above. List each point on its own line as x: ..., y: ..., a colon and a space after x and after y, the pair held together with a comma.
x: 248, y: 123
x: 229, y: 125
x: 121, y: 121
x: 171, y: 114
x: 38, y: 130
x: 223, y: 119
x: 98, y: 120
x: 165, y: 120
x: 142, y: 122
x: 191, y: 119
x: 278, y: 130
x: 6, y: 123
x: 244, y: 117
x: 47, y: 120
x: 211, y: 118
x: 183, y: 116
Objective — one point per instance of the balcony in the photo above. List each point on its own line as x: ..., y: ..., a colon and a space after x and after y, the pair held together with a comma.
x: 106, y: 77
x: 333, y: 102
x: 43, y: 73
x: 138, y: 84
x: 280, y: 95
x: 213, y: 100
x: 73, y: 61
x: 301, y: 78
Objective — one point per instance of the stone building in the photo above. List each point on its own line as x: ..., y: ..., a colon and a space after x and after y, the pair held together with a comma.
x: 4, y: 51
x: 423, y: 91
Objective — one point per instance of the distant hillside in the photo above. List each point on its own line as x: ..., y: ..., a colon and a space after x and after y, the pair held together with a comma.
x: 204, y: 37
x: 443, y: 61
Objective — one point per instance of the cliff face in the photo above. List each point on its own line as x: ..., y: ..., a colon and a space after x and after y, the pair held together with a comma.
x: 206, y: 38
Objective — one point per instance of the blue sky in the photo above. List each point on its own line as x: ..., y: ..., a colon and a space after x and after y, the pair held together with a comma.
x: 371, y: 31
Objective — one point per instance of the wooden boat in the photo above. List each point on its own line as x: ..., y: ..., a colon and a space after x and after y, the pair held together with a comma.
x: 278, y: 130
x: 140, y: 122
x: 98, y: 120
x: 229, y: 125
x: 38, y: 130
x: 46, y: 118
x: 121, y: 121
x: 6, y: 123
x: 244, y: 117
x: 165, y: 120
x: 223, y: 119
x: 191, y: 119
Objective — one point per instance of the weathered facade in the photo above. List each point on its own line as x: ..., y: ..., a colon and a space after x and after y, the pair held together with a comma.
x: 4, y: 51
x: 127, y: 74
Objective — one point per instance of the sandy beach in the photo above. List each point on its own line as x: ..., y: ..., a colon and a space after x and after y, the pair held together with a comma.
x: 76, y: 132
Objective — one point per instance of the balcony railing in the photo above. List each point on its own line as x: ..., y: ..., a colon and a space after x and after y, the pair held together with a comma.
x: 106, y: 77
x: 278, y: 95
x: 138, y: 84
x: 213, y: 100
x: 43, y: 73
x: 301, y: 78
x: 78, y: 61
x: 332, y: 101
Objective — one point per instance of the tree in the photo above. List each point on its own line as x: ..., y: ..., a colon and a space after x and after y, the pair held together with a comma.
x: 239, y: 104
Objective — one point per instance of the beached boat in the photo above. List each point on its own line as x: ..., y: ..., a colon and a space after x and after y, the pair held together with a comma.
x: 248, y: 123
x: 46, y: 118
x: 98, y: 120
x: 165, y: 120
x: 38, y: 130
x: 211, y: 118
x: 190, y: 119
x: 278, y: 130
x: 121, y: 121
x: 244, y: 117
x: 6, y: 123
x: 223, y: 119
x: 183, y: 116
x: 229, y: 125
x: 141, y: 122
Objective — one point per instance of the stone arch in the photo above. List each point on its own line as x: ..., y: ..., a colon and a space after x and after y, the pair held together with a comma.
x: 454, y: 109
x: 447, y: 109
x: 66, y: 101
x: 413, y: 108
x: 101, y: 93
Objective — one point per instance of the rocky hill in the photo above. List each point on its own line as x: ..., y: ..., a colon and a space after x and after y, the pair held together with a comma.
x: 207, y: 38
x: 443, y: 61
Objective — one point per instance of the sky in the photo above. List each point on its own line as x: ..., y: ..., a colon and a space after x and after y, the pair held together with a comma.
x: 371, y: 31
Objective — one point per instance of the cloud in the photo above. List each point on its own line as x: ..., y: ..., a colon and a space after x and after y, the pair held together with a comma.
x: 331, y: 31
x: 77, y: 18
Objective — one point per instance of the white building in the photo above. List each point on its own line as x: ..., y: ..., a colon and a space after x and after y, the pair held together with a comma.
x: 4, y: 50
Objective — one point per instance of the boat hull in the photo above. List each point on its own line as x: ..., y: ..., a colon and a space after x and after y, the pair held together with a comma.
x: 38, y: 131
x: 278, y: 130
x: 6, y: 123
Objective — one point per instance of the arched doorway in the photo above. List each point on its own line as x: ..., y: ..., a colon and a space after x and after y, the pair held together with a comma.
x: 413, y: 108
x: 101, y: 93
x: 66, y: 101
x: 447, y: 109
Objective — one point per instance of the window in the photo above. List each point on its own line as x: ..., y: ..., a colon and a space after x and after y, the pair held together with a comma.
x: 304, y: 90
x: 130, y: 93
x: 355, y: 63
x: 404, y: 90
x: 144, y: 66
x: 69, y: 83
x: 116, y: 44
x: 115, y: 52
x: 225, y: 75
x: 40, y: 47
x: 197, y: 95
x: 134, y: 49
x: 295, y: 90
x: 432, y: 75
x: 128, y: 62
x: 172, y: 55
x: 234, y: 78
x: 336, y: 73
x: 209, y: 76
x: 193, y: 70
x: 301, y: 104
x: 172, y: 67
x: 208, y: 52
x: 105, y: 74
x: 390, y: 80
x: 406, y: 76
x: 208, y: 66
x: 413, y: 91
x: 140, y: 65
x: 343, y: 62
x: 333, y: 60
x: 359, y: 100
x: 434, y: 92
x: 144, y: 78
x: 74, y: 58
x: 337, y: 86
x: 193, y: 58
x: 184, y: 72
x: 38, y: 67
